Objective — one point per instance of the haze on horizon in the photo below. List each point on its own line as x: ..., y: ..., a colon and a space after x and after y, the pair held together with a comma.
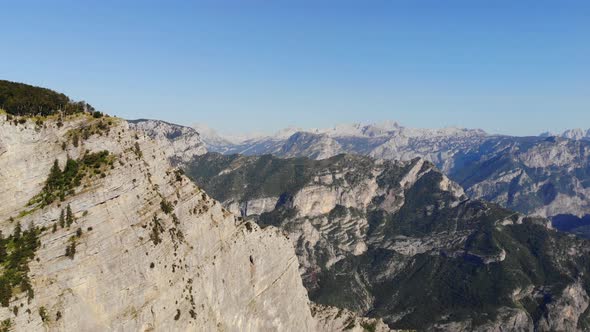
x: 506, y: 67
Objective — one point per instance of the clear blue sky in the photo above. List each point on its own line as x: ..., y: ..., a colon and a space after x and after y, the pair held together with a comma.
x: 517, y: 67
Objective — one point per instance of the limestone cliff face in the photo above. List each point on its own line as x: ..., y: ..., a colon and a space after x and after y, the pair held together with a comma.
x: 179, y: 143
x: 152, y: 251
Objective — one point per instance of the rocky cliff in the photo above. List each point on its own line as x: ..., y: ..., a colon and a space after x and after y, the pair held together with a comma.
x: 100, y: 233
x: 542, y: 176
x: 179, y: 143
x: 408, y: 244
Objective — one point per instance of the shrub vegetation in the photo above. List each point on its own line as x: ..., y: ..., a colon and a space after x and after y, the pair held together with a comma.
x: 60, y: 183
x: 16, y: 251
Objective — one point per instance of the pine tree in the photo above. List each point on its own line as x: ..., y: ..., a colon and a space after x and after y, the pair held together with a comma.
x: 70, y: 171
x: 5, y: 292
x: 69, y: 216
x: 54, y: 182
x: 71, y: 248
x: 54, y: 178
x: 17, y: 231
x: 62, y: 219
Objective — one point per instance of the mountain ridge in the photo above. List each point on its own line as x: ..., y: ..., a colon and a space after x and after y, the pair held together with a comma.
x: 407, y: 242
x: 517, y: 172
x: 576, y: 134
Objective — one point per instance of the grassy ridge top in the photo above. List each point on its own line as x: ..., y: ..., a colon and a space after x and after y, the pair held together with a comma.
x: 28, y: 100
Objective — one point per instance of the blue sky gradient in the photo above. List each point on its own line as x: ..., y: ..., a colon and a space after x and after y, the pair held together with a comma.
x: 512, y: 67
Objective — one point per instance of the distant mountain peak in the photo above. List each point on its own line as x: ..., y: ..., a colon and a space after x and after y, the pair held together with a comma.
x: 287, y: 132
x: 387, y: 128
x: 360, y: 129
x: 575, y: 134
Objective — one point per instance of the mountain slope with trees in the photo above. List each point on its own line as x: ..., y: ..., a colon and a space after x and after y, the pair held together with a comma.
x: 407, y: 244
x: 543, y: 175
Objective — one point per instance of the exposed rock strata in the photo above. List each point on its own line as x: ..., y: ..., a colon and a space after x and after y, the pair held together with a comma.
x: 205, y: 269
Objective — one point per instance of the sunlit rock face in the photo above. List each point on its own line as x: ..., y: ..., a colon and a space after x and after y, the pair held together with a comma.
x: 179, y: 143
x: 152, y: 251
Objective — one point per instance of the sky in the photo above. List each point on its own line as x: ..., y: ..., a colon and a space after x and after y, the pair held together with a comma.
x: 510, y: 67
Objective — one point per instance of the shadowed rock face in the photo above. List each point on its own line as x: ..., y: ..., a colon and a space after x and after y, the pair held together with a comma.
x: 145, y: 249
x: 541, y: 176
x: 572, y: 224
x: 407, y: 244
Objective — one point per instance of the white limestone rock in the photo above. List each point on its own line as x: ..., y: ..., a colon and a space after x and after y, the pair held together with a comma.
x: 180, y: 143
x: 211, y: 271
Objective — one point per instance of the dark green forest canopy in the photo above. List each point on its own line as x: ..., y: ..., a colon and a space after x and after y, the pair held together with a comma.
x: 23, y: 99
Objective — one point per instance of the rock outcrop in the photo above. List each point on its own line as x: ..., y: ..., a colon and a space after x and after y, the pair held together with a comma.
x: 335, y: 319
x: 179, y: 143
x: 141, y: 247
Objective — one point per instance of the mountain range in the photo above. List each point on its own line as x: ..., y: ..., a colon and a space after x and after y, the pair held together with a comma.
x: 109, y: 224
x: 543, y: 175
x: 571, y: 134
x: 362, y: 223
x: 100, y: 232
x: 406, y: 244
